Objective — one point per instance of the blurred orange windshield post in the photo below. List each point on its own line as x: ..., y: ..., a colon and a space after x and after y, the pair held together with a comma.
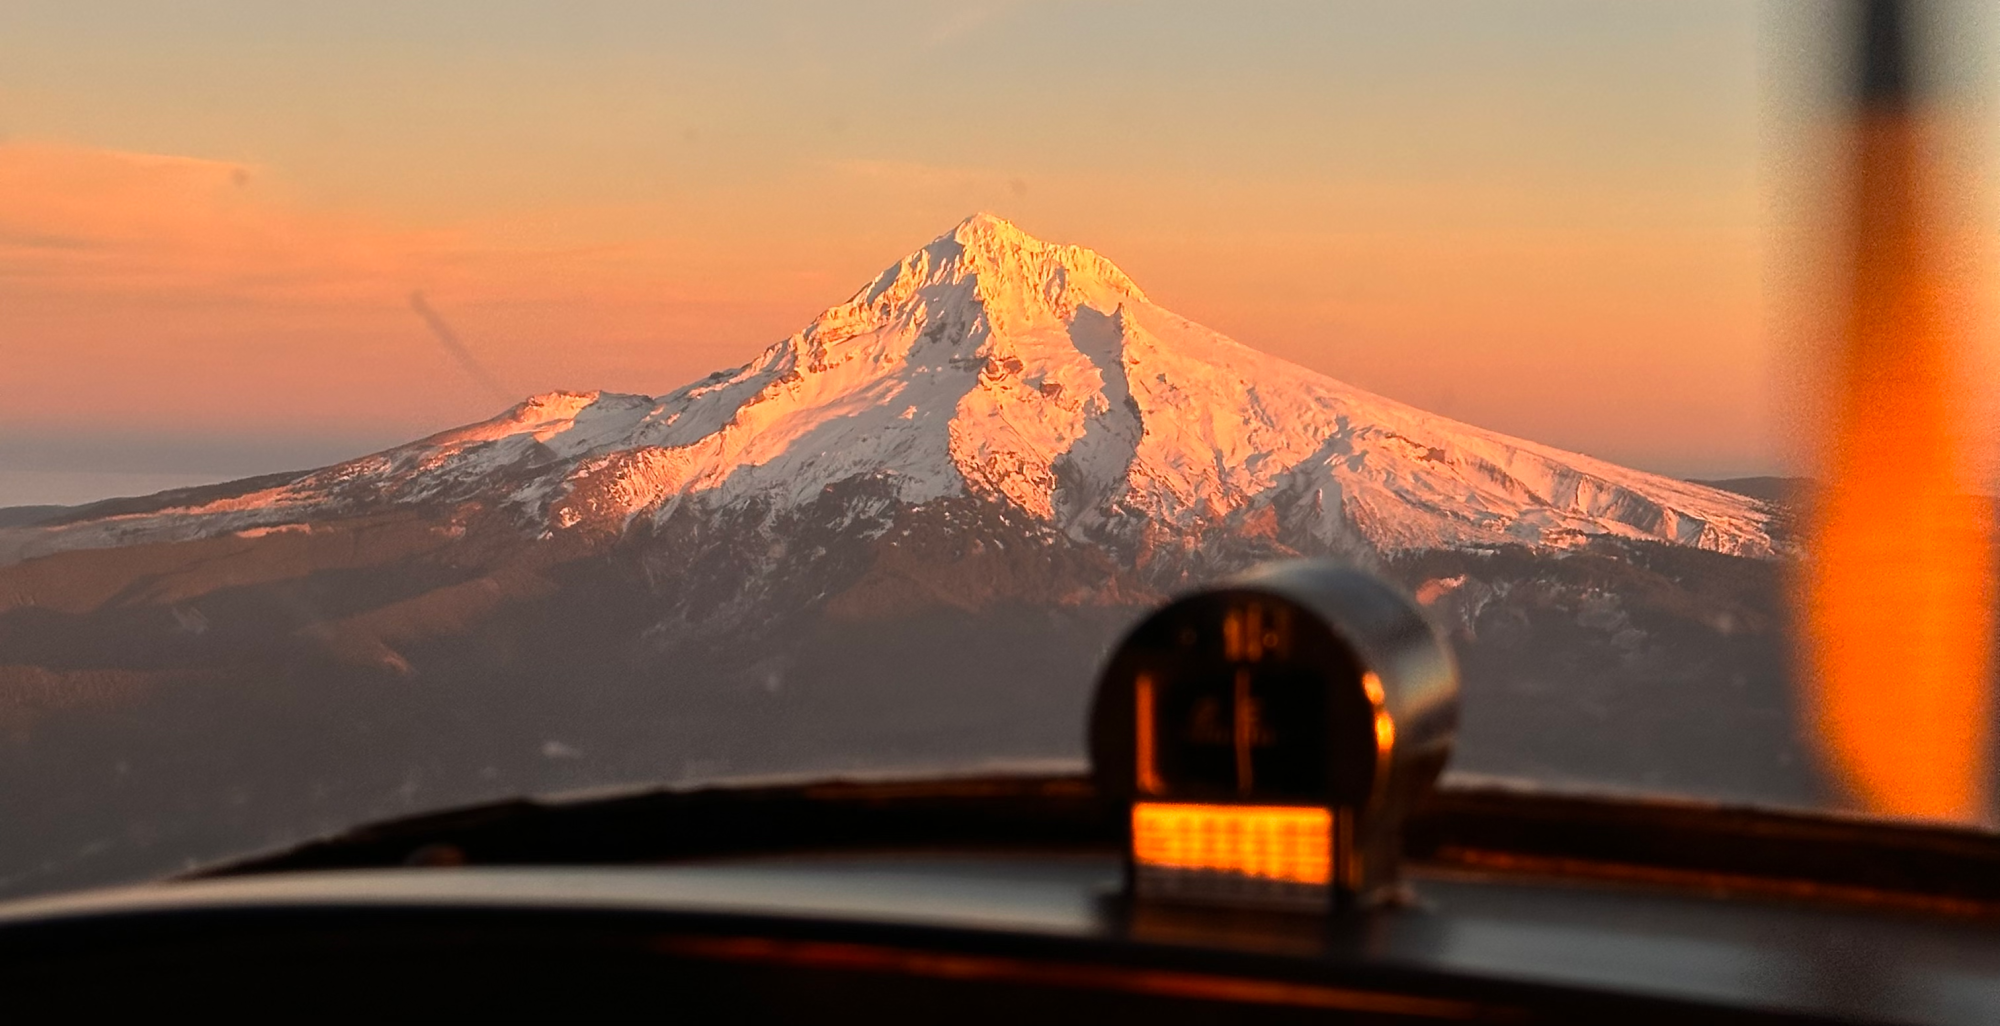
x: 1896, y: 593
x: 1274, y: 842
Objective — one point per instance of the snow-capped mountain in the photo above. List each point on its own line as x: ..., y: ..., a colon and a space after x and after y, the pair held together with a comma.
x: 995, y: 366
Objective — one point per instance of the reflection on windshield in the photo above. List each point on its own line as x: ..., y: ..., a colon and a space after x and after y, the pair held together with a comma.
x: 1898, y: 601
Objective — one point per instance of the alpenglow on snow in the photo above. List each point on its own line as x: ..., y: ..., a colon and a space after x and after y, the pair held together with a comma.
x: 990, y: 364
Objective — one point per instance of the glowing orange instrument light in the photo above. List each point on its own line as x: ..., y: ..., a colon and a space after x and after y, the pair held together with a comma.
x: 1272, y: 842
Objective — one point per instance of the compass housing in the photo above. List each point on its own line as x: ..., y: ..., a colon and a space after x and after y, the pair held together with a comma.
x: 1270, y: 736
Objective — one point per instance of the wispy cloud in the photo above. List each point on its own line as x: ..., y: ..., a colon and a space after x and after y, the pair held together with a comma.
x: 966, y: 20
x: 81, y: 220
x: 932, y: 178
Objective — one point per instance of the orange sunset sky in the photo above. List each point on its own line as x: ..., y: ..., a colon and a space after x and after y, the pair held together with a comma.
x: 1546, y: 218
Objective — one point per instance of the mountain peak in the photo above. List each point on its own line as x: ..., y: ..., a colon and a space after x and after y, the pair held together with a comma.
x: 986, y: 227
x: 989, y: 259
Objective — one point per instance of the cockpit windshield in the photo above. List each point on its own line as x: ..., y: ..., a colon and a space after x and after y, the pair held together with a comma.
x: 415, y: 405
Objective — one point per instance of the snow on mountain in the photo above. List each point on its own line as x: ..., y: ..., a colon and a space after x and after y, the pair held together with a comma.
x: 992, y: 364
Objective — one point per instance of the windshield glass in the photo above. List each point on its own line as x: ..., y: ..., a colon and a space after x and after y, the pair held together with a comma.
x: 413, y: 405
